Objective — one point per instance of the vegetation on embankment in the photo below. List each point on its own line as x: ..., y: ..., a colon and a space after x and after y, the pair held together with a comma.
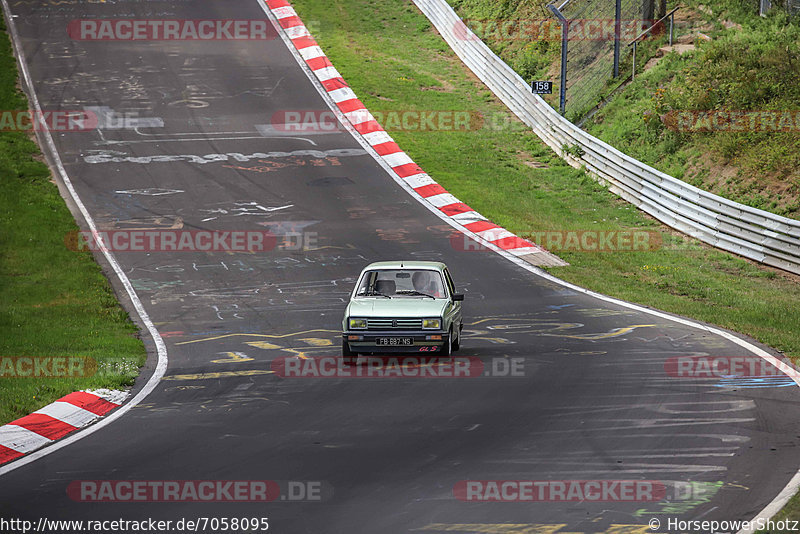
x: 740, y: 62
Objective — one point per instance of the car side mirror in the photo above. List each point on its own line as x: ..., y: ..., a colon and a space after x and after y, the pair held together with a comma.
x: 458, y: 296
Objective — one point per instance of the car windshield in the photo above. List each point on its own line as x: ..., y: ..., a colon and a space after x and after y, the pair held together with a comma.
x: 406, y: 283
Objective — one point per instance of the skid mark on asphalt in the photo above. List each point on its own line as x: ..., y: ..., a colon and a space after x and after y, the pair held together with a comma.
x: 234, y: 357
x: 160, y: 222
x: 616, y: 332
x: 675, y: 408
x: 150, y: 191
x: 270, y: 166
x: 221, y: 374
x: 102, y: 156
x: 250, y: 263
x: 602, y: 312
x: 271, y: 336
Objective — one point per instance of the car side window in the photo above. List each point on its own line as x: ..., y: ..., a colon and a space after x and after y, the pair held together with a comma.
x: 450, y: 284
x: 367, y: 284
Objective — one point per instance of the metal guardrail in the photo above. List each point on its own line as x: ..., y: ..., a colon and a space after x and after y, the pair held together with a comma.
x: 755, y: 234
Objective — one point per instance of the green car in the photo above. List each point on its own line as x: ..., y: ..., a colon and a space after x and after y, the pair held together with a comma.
x: 402, y: 306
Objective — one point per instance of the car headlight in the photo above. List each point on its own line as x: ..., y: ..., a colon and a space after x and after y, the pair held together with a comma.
x: 357, y: 323
x: 432, y: 324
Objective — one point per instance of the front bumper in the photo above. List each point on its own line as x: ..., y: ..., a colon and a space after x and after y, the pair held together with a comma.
x: 423, y: 340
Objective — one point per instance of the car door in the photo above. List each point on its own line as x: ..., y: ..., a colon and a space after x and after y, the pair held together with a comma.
x: 455, y: 306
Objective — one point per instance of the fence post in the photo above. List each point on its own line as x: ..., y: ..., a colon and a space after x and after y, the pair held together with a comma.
x: 617, y: 16
x: 562, y: 104
x: 671, y: 25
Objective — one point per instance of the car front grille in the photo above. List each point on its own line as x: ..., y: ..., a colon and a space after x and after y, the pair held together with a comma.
x: 394, y: 324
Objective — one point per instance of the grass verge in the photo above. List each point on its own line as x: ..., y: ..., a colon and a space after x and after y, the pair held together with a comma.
x: 56, y: 303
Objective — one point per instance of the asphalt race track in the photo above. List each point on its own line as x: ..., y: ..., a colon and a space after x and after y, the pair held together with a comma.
x: 591, y: 398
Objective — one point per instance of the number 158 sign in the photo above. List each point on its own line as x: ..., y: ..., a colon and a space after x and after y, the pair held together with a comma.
x: 542, y: 88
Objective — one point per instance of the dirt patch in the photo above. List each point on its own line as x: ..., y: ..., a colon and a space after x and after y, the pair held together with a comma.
x: 678, y: 48
x: 528, y: 160
x: 445, y: 87
x: 727, y: 23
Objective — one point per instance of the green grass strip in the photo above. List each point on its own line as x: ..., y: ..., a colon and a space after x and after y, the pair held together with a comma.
x: 55, y: 302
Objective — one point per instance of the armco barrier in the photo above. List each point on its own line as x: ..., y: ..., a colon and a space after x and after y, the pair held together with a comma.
x: 756, y: 234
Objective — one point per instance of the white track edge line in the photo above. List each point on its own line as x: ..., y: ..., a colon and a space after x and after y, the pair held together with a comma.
x: 161, y: 365
x: 794, y: 483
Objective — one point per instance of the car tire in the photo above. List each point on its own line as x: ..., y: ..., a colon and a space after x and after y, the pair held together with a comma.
x: 447, y: 348
x: 457, y: 342
x: 349, y: 357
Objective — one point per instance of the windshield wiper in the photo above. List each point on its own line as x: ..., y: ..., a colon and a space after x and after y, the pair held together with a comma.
x: 415, y: 292
x: 376, y: 294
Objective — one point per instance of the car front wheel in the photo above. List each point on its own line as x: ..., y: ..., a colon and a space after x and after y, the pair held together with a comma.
x: 447, y: 348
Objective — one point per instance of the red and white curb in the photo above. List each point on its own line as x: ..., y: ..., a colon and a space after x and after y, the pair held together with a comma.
x: 56, y: 420
x: 401, y: 164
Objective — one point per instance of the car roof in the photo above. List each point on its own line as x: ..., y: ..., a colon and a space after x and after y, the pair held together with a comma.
x: 413, y: 264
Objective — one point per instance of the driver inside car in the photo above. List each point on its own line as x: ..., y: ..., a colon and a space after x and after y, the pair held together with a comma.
x: 424, y: 283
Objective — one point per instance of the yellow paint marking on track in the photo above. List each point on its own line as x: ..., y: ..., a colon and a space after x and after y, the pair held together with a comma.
x: 271, y: 336
x: 223, y: 374
x: 300, y: 353
x: 628, y: 529
x: 737, y: 486
x: 604, y: 335
x: 234, y: 357
x: 266, y: 345
x: 528, y: 319
x: 317, y: 341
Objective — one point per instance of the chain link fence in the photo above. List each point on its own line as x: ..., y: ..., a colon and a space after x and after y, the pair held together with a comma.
x: 791, y: 6
x: 595, y: 35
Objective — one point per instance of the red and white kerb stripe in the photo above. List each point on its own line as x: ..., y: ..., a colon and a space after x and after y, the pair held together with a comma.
x: 363, y: 122
x: 55, y: 421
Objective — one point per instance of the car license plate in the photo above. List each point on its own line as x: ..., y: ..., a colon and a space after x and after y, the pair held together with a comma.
x: 395, y: 341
